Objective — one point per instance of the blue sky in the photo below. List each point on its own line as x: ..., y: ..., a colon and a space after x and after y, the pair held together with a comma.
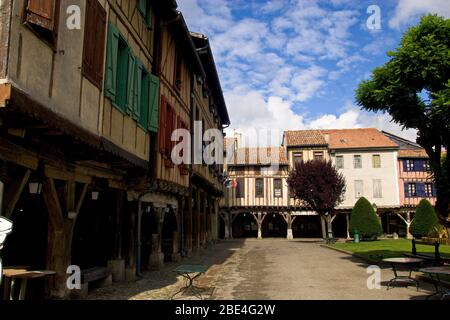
x: 295, y: 64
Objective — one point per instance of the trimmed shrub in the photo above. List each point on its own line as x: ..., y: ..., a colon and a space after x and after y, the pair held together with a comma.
x: 365, y: 220
x: 425, y: 220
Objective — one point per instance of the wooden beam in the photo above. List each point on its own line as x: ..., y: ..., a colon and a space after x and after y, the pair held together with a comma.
x: 81, y: 199
x: 65, y: 174
x: 18, y: 155
x: 11, y: 198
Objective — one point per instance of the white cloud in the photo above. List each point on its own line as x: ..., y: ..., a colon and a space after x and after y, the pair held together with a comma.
x: 262, y: 122
x: 408, y: 10
x: 308, y: 82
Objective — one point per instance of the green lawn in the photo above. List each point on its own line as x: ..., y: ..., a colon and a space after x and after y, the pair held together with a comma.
x: 378, y: 250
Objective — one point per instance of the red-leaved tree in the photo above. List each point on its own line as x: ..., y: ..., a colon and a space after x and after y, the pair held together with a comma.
x: 319, y: 185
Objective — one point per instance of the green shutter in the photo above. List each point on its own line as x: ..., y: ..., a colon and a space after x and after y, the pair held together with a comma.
x: 145, y: 103
x: 143, y: 7
x: 111, y: 61
x: 137, y: 89
x: 154, y: 101
x: 130, y: 82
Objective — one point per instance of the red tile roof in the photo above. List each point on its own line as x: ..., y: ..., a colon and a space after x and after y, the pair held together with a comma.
x: 339, y: 139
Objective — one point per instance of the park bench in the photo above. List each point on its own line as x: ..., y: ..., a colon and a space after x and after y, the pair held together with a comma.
x: 434, y: 259
x: 100, y: 276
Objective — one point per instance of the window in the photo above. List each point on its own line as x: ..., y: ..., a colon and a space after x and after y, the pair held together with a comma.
x: 259, y: 187
x: 42, y: 17
x: 144, y: 10
x: 376, y: 161
x: 358, y: 189
x: 426, y: 165
x: 177, y: 71
x: 278, y: 188
x: 340, y: 162
x: 377, y: 191
x: 410, y: 189
x: 240, y: 188
x: 298, y: 157
x: 357, y: 162
x: 131, y: 88
x: 122, y: 75
x: 318, y: 155
x: 429, y: 190
x: 94, y: 42
x: 409, y: 165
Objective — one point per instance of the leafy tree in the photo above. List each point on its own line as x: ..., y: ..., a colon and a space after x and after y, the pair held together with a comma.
x: 365, y: 220
x: 319, y: 185
x: 414, y: 88
x: 425, y: 220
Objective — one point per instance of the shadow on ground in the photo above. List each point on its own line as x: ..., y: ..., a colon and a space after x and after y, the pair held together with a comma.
x: 162, y: 284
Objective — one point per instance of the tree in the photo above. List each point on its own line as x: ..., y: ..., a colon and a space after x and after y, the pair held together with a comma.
x: 365, y: 220
x: 425, y: 220
x: 319, y: 185
x: 414, y: 88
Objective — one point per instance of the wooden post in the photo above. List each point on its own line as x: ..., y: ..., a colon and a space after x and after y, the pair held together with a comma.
x: 288, y: 218
x: 259, y: 217
x: 12, y: 194
x: 58, y: 255
x: 188, y: 228
x: 407, y: 221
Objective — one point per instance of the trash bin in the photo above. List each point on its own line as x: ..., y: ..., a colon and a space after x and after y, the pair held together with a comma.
x: 356, y: 236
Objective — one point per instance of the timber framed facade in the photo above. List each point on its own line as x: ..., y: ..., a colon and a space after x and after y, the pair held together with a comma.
x: 375, y: 165
x: 85, y: 137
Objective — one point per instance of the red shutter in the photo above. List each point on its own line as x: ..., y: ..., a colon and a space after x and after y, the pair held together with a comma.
x: 94, y: 42
x: 170, y: 125
x: 162, y: 124
x: 41, y: 13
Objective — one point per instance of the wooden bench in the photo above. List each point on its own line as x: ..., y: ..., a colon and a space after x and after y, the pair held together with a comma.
x: 101, y: 276
x: 435, y: 258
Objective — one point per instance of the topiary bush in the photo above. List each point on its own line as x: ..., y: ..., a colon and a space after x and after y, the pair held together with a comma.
x: 425, y: 220
x: 365, y: 220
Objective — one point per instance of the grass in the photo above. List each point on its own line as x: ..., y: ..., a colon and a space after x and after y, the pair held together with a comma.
x: 382, y: 249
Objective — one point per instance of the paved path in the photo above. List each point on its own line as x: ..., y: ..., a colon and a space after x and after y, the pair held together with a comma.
x: 269, y: 269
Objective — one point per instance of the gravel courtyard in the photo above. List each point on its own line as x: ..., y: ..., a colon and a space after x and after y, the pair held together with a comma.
x: 268, y: 269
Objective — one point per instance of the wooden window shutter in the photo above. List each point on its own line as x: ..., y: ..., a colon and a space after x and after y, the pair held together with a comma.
x: 94, y: 42
x: 137, y: 89
x: 130, y: 82
x: 111, y: 62
x: 41, y: 13
x: 154, y: 99
x: 162, y: 123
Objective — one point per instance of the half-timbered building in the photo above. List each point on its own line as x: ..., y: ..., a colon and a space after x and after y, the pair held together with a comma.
x: 87, y: 112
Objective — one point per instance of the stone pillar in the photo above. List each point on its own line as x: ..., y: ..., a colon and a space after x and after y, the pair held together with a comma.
x: 176, y: 256
x: 157, y: 257
x: 324, y: 228
x: 188, y: 230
